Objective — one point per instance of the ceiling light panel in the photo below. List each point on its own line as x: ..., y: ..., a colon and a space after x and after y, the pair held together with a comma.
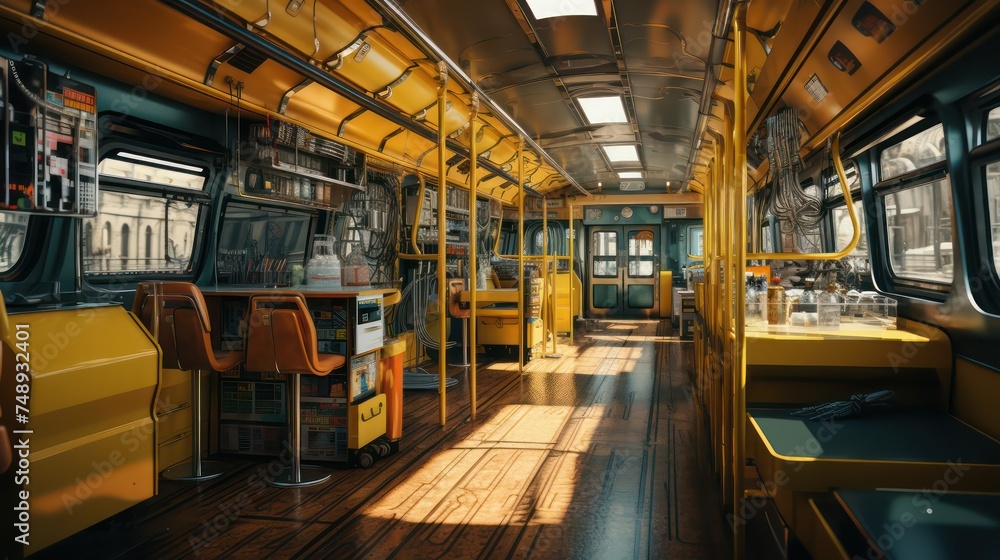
x: 630, y: 174
x: 542, y: 9
x: 622, y: 152
x: 603, y: 109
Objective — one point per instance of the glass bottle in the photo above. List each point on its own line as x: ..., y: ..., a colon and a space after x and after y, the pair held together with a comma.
x: 356, y: 271
x: 829, y: 307
x: 775, y: 302
x: 809, y: 298
x: 752, y: 310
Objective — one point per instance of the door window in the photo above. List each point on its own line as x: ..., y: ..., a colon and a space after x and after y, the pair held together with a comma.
x: 640, y: 254
x: 605, y: 254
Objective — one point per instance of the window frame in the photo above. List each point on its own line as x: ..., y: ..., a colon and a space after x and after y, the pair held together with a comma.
x: 201, y: 198
x: 881, y: 188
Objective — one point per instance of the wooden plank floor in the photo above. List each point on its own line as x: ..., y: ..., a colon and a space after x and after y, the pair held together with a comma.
x: 591, y: 455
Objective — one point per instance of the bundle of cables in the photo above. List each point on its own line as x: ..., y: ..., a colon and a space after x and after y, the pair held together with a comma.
x: 856, y: 406
x: 797, y: 211
x: 411, y: 312
x: 375, y: 212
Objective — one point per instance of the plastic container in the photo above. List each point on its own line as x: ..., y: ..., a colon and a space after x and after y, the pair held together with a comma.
x: 356, y: 270
x: 323, y: 269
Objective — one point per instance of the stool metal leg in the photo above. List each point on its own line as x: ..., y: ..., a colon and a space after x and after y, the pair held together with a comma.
x: 197, y: 470
x: 296, y: 475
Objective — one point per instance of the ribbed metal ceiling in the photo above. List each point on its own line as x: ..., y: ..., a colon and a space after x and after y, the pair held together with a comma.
x: 652, y: 52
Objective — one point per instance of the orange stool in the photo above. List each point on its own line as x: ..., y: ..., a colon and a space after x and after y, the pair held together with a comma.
x: 176, y: 314
x: 281, y: 337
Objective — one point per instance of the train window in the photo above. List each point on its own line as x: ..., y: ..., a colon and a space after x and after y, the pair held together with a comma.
x: 139, y: 233
x: 13, y: 227
x: 155, y: 171
x: 843, y: 230
x: 916, y: 152
x: 695, y: 240
x: 255, y: 242
x: 993, y: 202
x: 832, y: 181
x: 993, y: 124
x: 919, y: 224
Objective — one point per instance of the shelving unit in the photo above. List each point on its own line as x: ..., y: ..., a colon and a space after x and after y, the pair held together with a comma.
x: 288, y: 163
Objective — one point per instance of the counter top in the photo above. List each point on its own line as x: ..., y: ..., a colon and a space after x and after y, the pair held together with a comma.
x: 307, y: 291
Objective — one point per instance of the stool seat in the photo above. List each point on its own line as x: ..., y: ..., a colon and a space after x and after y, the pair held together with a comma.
x: 281, y: 337
x: 176, y: 314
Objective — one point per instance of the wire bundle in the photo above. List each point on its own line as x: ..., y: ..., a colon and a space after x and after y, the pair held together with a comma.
x: 380, y: 241
x: 796, y: 210
x: 411, y: 312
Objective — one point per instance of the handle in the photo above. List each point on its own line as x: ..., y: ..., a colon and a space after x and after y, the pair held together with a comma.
x: 373, y: 413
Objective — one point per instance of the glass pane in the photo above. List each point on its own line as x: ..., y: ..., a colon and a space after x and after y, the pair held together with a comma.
x: 605, y: 296
x: 185, y: 176
x: 256, y: 245
x: 695, y: 238
x: 844, y: 230
x: 13, y: 227
x: 913, y: 153
x: 605, y: 244
x: 993, y: 125
x: 833, y: 180
x: 919, y: 231
x: 605, y: 254
x: 605, y: 268
x: 134, y: 232
x: 993, y: 201
x: 640, y: 296
x: 640, y: 254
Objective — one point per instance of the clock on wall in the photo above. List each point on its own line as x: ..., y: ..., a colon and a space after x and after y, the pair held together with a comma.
x: 626, y: 212
x: 594, y: 214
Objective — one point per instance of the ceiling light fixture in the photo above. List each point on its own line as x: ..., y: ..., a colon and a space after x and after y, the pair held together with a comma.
x: 542, y: 9
x: 603, y: 109
x: 630, y: 174
x: 622, y: 152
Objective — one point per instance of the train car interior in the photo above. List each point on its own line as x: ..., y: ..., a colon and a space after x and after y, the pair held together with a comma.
x: 500, y: 279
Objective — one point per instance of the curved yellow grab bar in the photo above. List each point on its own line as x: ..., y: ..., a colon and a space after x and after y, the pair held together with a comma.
x: 838, y: 164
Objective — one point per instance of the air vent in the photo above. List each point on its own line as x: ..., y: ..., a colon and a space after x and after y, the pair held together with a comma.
x: 247, y: 60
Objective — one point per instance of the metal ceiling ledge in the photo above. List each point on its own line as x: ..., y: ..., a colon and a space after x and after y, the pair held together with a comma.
x: 215, y: 20
x: 412, y: 31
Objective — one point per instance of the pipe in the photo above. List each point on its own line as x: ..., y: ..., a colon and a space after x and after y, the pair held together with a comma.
x: 473, y: 251
x: 716, y: 52
x: 216, y: 21
x: 416, y: 217
x: 520, y: 255
x: 442, y: 273
x: 740, y: 242
x: 412, y: 31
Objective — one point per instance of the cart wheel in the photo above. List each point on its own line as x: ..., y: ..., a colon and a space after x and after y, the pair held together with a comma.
x: 382, y: 448
x: 365, y: 459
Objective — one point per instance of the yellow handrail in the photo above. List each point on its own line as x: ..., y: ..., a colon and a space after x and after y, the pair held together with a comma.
x: 838, y: 164
x: 416, y: 217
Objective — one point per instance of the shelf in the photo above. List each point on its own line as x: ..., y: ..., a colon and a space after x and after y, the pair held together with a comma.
x: 305, y: 172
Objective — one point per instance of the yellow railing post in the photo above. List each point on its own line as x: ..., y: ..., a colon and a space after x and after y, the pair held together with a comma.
x: 441, y: 265
x: 473, y: 250
x: 740, y: 239
x: 572, y: 275
x: 520, y: 255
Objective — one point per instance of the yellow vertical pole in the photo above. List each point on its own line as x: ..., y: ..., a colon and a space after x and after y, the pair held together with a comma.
x: 572, y: 275
x: 555, y: 303
x: 546, y: 276
x: 473, y: 250
x: 740, y: 238
x: 520, y: 255
x: 441, y: 265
